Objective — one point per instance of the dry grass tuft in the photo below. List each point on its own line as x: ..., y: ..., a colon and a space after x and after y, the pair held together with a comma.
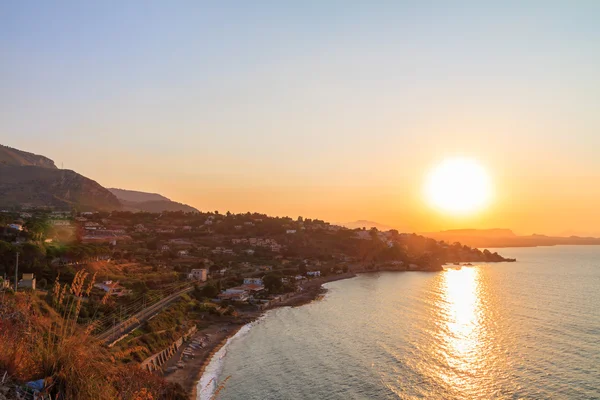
x: 36, y: 346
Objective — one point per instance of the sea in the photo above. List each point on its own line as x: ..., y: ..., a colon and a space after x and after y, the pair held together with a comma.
x: 524, y: 330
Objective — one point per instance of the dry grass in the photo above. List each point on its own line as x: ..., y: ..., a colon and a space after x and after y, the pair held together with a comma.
x: 51, y: 344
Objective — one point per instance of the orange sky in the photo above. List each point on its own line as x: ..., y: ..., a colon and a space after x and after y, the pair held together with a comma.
x: 316, y: 110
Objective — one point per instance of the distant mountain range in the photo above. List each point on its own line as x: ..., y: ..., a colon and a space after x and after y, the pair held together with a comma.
x: 133, y: 200
x: 34, y: 180
x: 494, y: 238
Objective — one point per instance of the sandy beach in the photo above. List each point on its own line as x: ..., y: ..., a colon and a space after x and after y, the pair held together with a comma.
x: 217, y: 334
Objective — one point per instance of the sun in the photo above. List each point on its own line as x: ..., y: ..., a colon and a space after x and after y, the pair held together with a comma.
x: 458, y: 186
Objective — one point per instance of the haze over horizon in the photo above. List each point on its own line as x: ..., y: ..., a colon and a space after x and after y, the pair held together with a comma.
x: 333, y: 111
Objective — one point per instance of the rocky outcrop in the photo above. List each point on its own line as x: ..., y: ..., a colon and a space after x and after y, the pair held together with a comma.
x: 19, y: 158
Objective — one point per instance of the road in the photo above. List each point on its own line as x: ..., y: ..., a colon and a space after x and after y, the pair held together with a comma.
x: 136, y: 320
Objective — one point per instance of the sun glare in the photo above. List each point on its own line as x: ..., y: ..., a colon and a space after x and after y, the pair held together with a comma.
x: 458, y: 186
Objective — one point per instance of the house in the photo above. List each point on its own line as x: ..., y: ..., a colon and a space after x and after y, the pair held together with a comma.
x: 249, y: 223
x: 183, y: 253
x: 17, y: 227
x: 198, y: 275
x: 234, y: 294
x: 164, y: 248
x: 364, y: 235
x: 253, y: 281
x: 238, y: 227
x: 290, y: 231
x: 249, y: 251
x: 87, y: 213
x: 208, y: 222
x: 91, y: 225
x: 187, y: 228
x: 140, y: 228
x: 27, y: 282
x: 60, y: 222
x: 26, y: 215
x: 314, y: 274
x: 113, y: 287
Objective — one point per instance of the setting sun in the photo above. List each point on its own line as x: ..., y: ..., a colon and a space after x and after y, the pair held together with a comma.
x: 458, y: 186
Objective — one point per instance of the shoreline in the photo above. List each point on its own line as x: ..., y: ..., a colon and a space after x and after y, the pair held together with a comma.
x: 191, y: 374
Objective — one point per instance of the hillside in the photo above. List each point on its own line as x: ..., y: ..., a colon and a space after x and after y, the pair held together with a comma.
x: 40, y: 186
x: 365, y: 224
x: 136, y: 196
x: 133, y: 200
x: 14, y: 157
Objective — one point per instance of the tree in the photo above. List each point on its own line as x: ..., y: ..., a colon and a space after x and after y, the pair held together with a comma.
x: 209, y: 291
x: 272, y: 282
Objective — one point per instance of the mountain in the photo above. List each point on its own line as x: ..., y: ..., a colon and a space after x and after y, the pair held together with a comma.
x: 365, y: 224
x: 494, y: 238
x: 14, y: 157
x: 134, y: 200
x: 46, y: 186
x: 137, y: 197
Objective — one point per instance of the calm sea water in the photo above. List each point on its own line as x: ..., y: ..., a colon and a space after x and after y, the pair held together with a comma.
x: 528, y: 330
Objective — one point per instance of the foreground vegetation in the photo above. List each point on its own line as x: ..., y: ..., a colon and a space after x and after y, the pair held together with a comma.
x: 43, y: 341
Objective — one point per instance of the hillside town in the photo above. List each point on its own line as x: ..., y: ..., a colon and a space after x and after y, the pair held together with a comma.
x: 155, y: 277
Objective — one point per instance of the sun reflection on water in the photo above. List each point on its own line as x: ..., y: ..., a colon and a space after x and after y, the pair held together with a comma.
x: 463, y: 344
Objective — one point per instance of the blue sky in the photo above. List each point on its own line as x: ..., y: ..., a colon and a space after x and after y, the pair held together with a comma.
x: 218, y: 103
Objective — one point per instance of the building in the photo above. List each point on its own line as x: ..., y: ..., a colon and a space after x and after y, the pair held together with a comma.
x: 314, y: 274
x: 253, y: 281
x: 60, y: 222
x: 290, y: 231
x: 198, y: 275
x: 182, y: 253
x: 17, y: 227
x: 28, y: 282
x: 234, y: 294
x: 113, y: 287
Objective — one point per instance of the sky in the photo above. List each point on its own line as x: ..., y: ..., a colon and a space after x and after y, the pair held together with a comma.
x: 327, y: 109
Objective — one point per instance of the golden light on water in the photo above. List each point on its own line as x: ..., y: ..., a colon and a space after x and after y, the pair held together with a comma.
x: 458, y: 186
x: 464, y: 329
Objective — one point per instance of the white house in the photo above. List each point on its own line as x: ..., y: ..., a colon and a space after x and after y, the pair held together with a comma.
x: 60, y: 222
x: 198, y: 275
x: 314, y: 273
x: 236, y: 294
x: 249, y: 251
x: 27, y: 282
x: 290, y: 231
x: 182, y: 253
x: 253, y: 281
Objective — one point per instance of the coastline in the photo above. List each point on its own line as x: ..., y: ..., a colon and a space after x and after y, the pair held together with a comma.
x: 191, y: 374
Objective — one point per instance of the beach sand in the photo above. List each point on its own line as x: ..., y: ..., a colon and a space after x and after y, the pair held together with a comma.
x: 216, y: 335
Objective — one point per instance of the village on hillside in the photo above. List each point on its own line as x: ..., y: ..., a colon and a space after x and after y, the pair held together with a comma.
x: 156, y: 281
